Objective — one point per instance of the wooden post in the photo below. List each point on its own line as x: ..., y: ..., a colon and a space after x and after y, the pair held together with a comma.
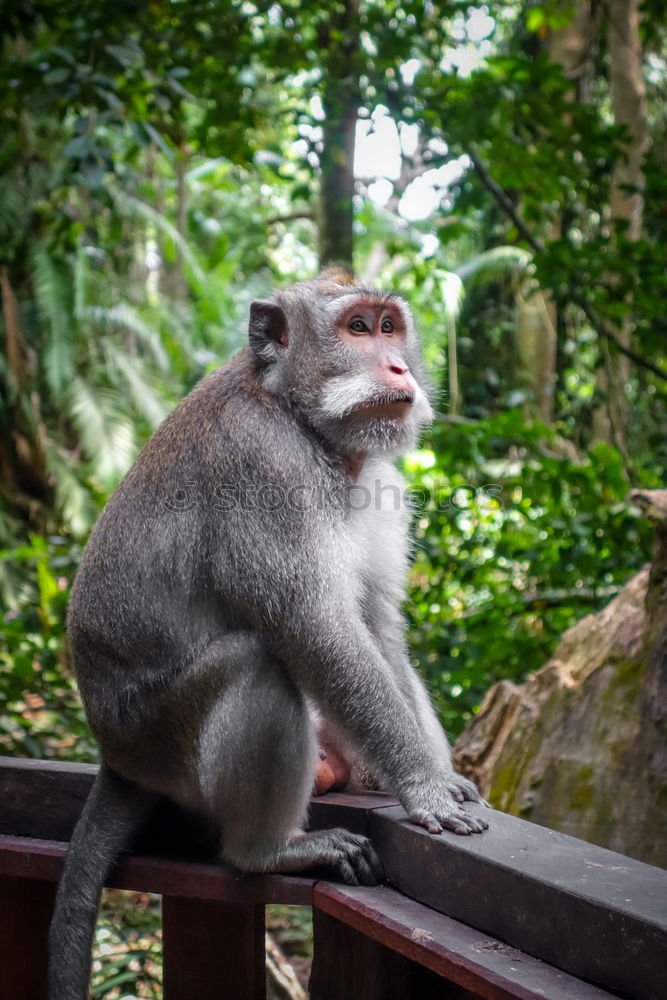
x: 26, y: 906
x: 212, y: 950
x: 348, y: 964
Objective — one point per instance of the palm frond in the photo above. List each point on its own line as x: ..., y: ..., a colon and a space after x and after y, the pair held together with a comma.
x: 451, y: 291
x: 105, y: 431
x: 491, y: 265
x: 80, y: 281
x: 123, y: 317
x: 73, y: 501
x: 145, y: 398
x: 53, y: 306
x: 132, y: 207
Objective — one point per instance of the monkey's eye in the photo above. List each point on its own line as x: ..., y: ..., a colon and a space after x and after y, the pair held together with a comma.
x: 357, y: 325
x: 387, y: 326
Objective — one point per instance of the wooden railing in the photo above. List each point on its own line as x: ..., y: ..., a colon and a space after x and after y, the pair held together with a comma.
x: 520, y: 912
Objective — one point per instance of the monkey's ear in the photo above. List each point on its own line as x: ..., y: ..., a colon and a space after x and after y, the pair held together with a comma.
x: 267, y: 331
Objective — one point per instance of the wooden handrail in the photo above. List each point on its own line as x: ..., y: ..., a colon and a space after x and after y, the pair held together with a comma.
x: 518, y: 912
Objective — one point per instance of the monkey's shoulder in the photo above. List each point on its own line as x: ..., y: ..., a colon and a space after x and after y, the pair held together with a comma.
x: 229, y: 429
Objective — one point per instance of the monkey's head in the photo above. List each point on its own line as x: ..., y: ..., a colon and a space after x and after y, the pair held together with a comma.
x: 346, y: 359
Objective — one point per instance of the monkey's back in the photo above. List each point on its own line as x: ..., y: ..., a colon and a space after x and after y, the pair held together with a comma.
x: 151, y: 590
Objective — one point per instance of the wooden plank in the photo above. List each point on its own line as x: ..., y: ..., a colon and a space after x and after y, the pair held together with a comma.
x: 43, y: 859
x: 347, y: 964
x: 481, y: 965
x: 346, y: 809
x: 43, y: 799
x: 212, y: 949
x: 591, y: 912
x: 578, y: 907
x: 25, y: 915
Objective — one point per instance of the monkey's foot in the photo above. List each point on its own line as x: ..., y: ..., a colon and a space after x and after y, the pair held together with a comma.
x: 351, y: 856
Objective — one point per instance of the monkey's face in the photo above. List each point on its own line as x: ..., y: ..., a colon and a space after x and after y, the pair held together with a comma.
x: 371, y: 399
x: 348, y: 359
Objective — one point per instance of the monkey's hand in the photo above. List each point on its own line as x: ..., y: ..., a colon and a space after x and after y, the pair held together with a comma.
x: 434, y: 805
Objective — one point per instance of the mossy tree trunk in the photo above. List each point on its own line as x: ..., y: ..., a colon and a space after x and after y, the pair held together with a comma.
x: 581, y: 747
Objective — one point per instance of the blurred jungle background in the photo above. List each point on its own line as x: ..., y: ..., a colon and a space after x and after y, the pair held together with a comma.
x: 501, y: 165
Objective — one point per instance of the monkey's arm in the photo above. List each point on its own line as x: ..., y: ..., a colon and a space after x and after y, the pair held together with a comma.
x: 340, y: 665
x: 389, y: 628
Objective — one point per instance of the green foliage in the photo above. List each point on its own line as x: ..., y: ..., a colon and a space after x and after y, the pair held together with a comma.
x: 152, y: 184
x: 159, y: 168
x: 41, y: 711
x: 516, y: 538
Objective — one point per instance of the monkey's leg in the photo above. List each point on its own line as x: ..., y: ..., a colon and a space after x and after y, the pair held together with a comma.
x: 257, y: 757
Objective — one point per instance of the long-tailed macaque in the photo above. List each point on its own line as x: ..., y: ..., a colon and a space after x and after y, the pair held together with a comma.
x: 243, y: 586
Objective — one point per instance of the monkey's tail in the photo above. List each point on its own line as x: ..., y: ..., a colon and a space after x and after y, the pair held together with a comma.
x: 114, y: 811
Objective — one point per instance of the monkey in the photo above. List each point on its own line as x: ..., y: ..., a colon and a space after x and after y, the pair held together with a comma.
x: 243, y: 587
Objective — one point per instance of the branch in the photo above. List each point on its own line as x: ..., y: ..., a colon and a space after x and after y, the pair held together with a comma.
x: 601, y: 328
x: 505, y: 202
x: 304, y: 214
x: 281, y: 972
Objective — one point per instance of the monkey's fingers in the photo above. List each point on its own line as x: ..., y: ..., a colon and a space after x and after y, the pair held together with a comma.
x: 463, y: 823
x: 353, y: 858
x: 346, y: 871
x: 365, y: 861
x: 462, y: 789
x: 427, y: 820
x: 364, y: 871
x: 374, y: 864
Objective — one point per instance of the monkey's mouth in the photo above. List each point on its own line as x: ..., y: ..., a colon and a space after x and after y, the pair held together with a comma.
x: 395, y: 405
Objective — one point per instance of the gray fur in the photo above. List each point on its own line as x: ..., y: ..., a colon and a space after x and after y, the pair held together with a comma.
x: 203, y: 623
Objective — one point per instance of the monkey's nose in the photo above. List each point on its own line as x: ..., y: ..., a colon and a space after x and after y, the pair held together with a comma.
x: 397, y: 377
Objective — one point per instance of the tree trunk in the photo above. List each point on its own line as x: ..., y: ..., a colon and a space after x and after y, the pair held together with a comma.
x: 340, y: 99
x: 626, y: 199
x: 581, y: 747
x: 536, y: 351
x: 537, y: 319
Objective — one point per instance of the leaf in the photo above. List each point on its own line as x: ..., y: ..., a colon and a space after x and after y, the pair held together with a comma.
x: 106, y: 432
x: 92, y: 173
x: 536, y: 19
x: 147, y: 401
x: 55, y: 76
x: 123, y: 54
x: 123, y: 317
x: 79, y: 146
x: 51, y: 293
